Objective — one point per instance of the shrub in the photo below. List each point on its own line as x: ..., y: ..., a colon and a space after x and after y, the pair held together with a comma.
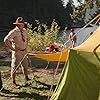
x: 42, y: 36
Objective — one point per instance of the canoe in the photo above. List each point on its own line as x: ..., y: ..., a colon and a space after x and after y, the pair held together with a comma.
x: 52, y: 56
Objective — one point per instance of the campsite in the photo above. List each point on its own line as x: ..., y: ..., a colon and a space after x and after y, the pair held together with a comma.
x: 50, y: 50
x: 36, y: 89
x: 78, y: 76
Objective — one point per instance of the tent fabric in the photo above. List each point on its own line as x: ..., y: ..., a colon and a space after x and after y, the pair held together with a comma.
x: 92, y: 43
x: 80, y: 79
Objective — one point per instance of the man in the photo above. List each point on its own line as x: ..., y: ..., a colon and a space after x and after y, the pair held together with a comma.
x: 17, y: 41
x: 73, y: 38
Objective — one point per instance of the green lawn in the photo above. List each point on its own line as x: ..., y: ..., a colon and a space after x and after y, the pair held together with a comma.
x: 38, y: 88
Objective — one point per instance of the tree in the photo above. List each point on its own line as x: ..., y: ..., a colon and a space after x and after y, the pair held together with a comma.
x: 86, y: 11
x: 43, y: 10
x: 69, y: 12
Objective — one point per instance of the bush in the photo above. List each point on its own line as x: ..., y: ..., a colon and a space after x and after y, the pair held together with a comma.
x: 42, y: 36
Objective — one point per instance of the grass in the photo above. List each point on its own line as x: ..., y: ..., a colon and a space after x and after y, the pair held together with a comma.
x: 38, y: 88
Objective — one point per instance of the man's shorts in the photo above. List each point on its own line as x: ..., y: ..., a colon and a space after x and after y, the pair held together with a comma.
x: 17, y: 57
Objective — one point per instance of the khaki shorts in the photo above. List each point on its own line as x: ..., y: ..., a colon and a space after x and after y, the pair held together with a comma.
x: 17, y: 57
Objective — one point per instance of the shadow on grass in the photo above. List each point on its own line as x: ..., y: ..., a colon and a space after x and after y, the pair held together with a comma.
x: 39, y: 85
x: 5, y: 91
x: 21, y: 95
x: 46, y: 88
x: 25, y: 95
x: 32, y: 95
x: 40, y: 63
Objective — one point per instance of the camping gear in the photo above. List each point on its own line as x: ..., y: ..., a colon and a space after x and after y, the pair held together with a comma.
x: 51, y: 56
x: 80, y: 78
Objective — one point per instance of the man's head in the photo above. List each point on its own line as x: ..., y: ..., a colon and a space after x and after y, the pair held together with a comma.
x: 72, y: 30
x: 19, y: 22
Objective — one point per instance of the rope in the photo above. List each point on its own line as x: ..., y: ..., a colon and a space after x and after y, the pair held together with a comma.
x: 92, y: 26
x: 83, y: 28
x: 15, y: 69
x: 44, y: 68
x: 97, y: 21
x: 55, y: 74
x: 59, y: 57
x: 30, y: 65
x: 63, y: 49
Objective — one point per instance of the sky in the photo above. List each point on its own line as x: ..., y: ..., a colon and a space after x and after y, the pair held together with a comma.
x: 75, y: 2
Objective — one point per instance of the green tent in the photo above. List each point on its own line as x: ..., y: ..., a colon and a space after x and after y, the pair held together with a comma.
x: 80, y: 78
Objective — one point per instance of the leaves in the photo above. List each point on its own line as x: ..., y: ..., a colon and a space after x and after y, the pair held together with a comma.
x: 39, y: 39
x: 80, y: 13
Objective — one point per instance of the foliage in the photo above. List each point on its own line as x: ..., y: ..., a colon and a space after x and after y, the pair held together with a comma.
x: 62, y: 39
x: 42, y: 36
x: 43, y: 10
x: 87, y: 8
x: 69, y: 12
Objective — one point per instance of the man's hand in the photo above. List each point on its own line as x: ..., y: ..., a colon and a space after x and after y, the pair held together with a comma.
x: 9, y: 45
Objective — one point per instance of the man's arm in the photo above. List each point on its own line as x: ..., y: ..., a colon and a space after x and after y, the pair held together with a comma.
x: 8, y: 39
x: 8, y: 43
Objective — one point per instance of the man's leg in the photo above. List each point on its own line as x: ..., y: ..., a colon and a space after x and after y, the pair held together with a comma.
x: 25, y: 64
x: 14, y: 66
x: 73, y: 44
x: 25, y: 72
x: 13, y: 74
